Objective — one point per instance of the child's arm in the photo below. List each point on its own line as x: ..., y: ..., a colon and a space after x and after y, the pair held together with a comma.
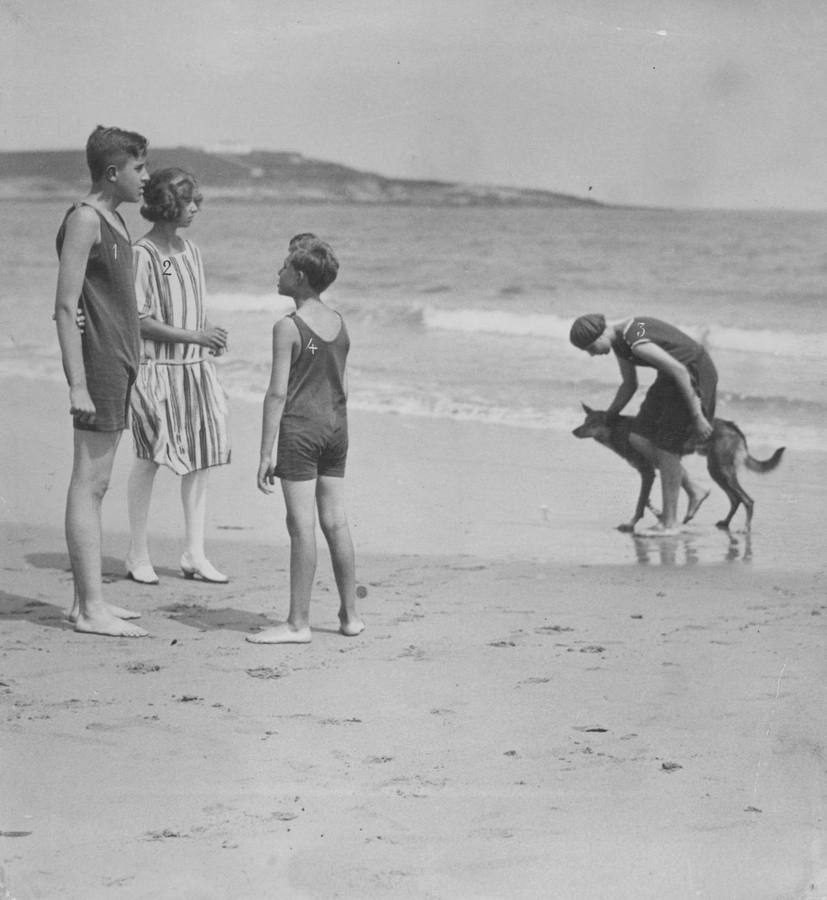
x: 82, y: 233
x: 627, y: 389
x: 285, y: 338
x: 212, y: 337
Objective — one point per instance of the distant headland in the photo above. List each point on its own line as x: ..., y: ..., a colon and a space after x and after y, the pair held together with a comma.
x: 236, y: 172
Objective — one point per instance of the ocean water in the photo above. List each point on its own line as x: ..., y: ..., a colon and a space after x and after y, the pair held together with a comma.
x: 465, y: 313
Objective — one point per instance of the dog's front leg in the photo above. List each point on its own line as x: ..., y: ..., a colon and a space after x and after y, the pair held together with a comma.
x: 647, y: 479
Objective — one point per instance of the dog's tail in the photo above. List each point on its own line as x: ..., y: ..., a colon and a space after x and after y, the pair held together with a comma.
x: 763, y: 465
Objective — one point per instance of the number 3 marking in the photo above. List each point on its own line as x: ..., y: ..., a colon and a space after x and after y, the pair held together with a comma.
x: 641, y: 329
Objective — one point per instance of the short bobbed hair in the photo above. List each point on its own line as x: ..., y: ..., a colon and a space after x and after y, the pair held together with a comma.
x: 111, y: 147
x: 304, y: 237
x: 167, y: 194
x: 318, y: 262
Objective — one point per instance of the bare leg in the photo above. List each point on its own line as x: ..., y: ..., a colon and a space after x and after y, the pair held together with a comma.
x: 669, y: 465
x: 138, y: 499
x: 94, y: 454
x: 695, y: 495
x: 333, y: 520
x: 299, y: 497
x: 672, y: 477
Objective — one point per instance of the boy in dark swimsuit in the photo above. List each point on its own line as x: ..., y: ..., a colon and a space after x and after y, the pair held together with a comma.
x: 678, y: 409
x: 304, y: 438
x: 95, y: 275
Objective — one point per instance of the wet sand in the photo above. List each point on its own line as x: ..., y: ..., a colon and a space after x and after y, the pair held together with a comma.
x: 539, y: 706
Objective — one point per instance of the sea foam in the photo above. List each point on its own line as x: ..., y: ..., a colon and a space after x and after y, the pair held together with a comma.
x: 774, y: 343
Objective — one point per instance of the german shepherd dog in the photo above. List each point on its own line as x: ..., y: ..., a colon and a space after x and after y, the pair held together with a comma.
x: 725, y: 450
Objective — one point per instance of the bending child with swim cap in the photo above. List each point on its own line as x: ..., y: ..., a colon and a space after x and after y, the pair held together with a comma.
x: 677, y: 411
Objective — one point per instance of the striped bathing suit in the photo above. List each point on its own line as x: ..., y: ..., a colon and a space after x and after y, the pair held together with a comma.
x: 179, y: 409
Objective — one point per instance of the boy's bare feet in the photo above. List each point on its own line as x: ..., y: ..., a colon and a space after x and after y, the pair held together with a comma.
x: 105, y: 622
x: 281, y: 634
x: 118, y: 611
x: 123, y: 613
x: 351, y: 627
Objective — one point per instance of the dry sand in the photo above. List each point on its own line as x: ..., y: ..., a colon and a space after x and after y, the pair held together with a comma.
x: 539, y: 707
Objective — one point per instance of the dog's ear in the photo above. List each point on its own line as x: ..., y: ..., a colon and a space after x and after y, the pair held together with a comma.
x: 586, y: 409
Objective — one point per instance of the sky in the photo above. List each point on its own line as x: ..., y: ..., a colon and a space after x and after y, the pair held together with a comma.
x: 694, y: 103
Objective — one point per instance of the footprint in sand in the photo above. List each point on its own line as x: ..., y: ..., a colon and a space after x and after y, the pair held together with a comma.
x: 266, y: 672
x: 408, y: 617
x: 141, y: 668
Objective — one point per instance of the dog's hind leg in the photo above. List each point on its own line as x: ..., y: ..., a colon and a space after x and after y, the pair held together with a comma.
x: 727, y: 480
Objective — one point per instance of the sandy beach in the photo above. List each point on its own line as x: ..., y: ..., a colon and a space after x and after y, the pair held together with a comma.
x: 538, y: 707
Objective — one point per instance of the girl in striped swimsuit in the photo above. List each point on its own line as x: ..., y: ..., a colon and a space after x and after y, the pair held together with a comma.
x: 179, y: 411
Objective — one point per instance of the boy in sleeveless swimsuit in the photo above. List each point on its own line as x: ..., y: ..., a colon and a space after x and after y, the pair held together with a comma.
x: 678, y: 409
x: 304, y: 437
x: 95, y: 275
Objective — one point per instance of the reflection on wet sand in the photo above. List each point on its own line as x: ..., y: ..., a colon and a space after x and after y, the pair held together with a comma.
x: 691, y: 549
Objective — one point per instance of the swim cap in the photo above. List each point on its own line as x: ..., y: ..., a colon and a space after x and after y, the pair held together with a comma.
x: 587, y: 329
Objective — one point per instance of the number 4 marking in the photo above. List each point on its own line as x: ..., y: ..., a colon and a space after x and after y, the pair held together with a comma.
x: 312, y: 347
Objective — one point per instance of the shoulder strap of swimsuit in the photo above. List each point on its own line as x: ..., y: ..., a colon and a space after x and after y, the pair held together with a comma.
x: 103, y: 218
x: 122, y: 221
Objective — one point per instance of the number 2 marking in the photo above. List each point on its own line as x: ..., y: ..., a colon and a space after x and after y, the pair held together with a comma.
x: 167, y: 266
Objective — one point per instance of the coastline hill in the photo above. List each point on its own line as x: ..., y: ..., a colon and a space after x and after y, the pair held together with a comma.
x: 244, y: 173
